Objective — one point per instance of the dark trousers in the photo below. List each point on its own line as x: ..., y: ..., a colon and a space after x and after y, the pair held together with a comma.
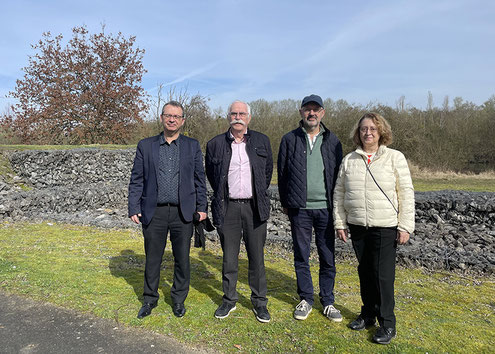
x: 167, y: 219
x: 241, y: 221
x: 302, y: 222
x: 375, y: 249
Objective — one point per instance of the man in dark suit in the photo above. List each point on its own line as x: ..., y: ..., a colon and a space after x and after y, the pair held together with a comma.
x: 166, y: 188
x: 239, y: 167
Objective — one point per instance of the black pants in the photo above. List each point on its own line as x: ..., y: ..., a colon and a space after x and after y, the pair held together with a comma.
x: 302, y: 223
x: 375, y: 249
x: 167, y: 219
x: 241, y: 221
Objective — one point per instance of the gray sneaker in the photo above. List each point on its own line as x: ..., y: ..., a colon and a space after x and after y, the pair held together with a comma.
x: 302, y: 310
x: 332, y: 313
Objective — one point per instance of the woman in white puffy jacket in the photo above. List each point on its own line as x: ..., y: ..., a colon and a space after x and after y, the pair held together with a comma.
x: 374, y: 202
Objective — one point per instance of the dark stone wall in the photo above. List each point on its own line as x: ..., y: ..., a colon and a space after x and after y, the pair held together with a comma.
x: 454, y: 230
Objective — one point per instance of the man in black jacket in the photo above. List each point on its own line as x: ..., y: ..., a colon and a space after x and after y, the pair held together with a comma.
x: 239, y: 167
x: 308, y: 163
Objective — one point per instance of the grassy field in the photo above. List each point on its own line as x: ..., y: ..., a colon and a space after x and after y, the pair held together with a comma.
x: 427, y: 180
x: 101, y: 272
x: 467, y: 183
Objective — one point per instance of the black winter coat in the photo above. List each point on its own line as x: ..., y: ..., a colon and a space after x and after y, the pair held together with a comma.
x: 218, y: 155
x: 291, y: 165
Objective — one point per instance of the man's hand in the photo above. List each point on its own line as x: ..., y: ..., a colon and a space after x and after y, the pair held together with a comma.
x: 202, y: 215
x: 342, y: 234
x: 135, y: 218
x: 402, y: 237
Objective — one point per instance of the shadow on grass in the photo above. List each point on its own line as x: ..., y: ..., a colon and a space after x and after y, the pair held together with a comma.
x: 130, y: 266
x: 280, y: 286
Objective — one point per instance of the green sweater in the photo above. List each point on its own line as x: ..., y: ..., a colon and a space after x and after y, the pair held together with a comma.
x: 316, y: 197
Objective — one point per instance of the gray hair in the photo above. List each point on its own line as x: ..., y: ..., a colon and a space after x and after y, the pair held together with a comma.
x: 237, y: 101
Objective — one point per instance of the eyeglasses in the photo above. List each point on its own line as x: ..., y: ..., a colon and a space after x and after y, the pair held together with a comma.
x: 365, y: 129
x: 175, y: 116
x: 240, y: 114
x: 308, y: 110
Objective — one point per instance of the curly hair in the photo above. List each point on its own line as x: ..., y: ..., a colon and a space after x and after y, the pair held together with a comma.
x: 381, y: 124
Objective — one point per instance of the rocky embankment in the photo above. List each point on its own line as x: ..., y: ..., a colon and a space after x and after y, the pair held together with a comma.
x: 454, y: 230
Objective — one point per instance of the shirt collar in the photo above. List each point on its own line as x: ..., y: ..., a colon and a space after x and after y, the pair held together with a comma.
x: 381, y: 150
x: 163, y: 141
x: 244, y: 138
x: 322, y: 129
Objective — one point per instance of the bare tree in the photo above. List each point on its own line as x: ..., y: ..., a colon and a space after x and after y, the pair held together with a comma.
x: 429, y: 106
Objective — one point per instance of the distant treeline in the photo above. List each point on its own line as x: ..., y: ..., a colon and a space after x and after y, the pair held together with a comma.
x: 458, y: 137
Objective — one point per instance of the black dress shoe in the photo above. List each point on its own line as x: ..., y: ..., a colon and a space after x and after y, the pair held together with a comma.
x: 361, y: 323
x: 179, y: 310
x: 384, y: 335
x: 146, y: 309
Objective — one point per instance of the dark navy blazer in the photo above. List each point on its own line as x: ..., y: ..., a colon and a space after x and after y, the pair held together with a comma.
x: 143, y: 186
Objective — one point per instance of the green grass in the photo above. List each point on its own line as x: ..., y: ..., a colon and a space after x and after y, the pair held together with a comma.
x: 472, y: 184
x: 101, y: 272
x: 6, y: 172
x: 5, y: 167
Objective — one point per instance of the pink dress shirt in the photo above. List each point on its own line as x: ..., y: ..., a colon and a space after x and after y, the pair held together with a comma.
x: 240, y: 172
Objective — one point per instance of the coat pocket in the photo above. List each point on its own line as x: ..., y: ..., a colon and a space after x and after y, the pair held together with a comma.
x: 261, y: 151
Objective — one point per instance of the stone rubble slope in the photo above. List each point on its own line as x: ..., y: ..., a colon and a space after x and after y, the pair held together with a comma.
x: 454, y: 230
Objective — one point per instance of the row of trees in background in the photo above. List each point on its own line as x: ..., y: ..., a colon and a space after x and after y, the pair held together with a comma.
x: 456, y: 137
x: 88, y: 92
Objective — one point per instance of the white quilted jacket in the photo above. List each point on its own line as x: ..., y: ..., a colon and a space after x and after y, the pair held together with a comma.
x: 359, y: 201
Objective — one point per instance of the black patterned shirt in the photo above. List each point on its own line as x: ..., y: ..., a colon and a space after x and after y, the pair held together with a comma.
x: 168, y: 172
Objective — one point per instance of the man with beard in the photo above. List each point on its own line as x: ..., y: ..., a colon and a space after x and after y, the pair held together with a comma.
x: 167, y: 187
x: 308, y: 164
x: 239, y: 168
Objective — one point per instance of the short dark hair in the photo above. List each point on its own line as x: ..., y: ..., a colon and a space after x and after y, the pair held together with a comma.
x: 381, y: 124
x: 174, y: 104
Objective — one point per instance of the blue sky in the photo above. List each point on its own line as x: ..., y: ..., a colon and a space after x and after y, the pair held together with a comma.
x: 360, y: 51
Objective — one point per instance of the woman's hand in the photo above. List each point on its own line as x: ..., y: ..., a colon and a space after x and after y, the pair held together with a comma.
x: 402, y: 237
x: 342, y: 234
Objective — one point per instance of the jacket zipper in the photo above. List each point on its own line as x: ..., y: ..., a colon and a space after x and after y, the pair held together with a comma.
x: 366, y: 193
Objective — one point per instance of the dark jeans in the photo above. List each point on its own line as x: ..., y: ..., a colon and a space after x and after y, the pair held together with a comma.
x: 375, y: 249
x: 167, y: 219
x: 241, y: 221
x: 302, y: 222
